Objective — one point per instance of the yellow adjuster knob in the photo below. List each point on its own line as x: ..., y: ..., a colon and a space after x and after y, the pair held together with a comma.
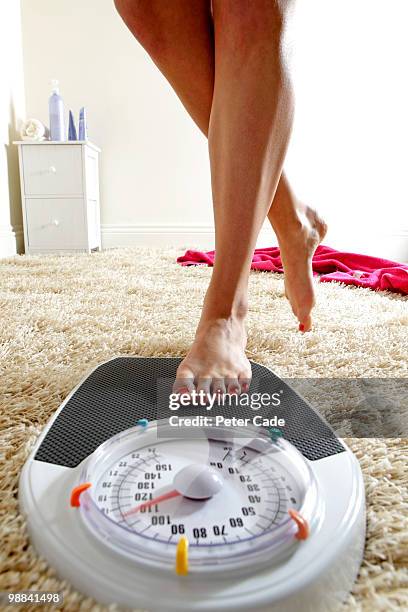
x: 182, y: 557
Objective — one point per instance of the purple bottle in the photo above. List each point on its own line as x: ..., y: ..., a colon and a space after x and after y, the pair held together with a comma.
x: 56, y: 108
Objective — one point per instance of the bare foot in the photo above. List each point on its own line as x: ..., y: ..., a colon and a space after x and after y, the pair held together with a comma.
x: 298, y: 240
x: 216, y: 361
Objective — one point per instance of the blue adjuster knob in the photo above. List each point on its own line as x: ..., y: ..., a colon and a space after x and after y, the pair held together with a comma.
x: 275, y: 434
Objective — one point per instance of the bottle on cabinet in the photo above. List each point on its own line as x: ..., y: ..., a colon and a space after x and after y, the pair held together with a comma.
x: 56, y: 109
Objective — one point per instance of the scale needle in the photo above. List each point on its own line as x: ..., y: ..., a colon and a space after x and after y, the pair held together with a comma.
x: 152, y: 502
x: 195, y: 481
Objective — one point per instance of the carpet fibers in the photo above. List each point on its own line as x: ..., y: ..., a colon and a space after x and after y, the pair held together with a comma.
x: 61, y: 316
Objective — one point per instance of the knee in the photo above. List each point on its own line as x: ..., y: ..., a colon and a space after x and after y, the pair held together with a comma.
x: 124, y: 8
x: 244, y: 12
x: 247, y: 24
x: 140, y: 18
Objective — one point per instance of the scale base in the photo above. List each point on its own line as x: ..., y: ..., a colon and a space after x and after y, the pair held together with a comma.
x: 316, y: 578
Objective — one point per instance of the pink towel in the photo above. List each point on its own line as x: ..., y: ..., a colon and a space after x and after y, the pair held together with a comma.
x: 331, y: 265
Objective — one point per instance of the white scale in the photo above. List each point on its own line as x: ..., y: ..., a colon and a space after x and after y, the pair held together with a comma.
x: 235, y: 520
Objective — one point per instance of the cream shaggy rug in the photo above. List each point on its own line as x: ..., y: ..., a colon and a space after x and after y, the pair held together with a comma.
x: 61, y: 316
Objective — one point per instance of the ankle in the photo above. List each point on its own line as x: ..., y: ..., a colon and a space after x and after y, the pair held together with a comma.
x: 222, y: 304
x: 288, y: 222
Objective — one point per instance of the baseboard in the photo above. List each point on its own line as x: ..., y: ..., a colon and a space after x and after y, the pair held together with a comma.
x: 391, y: 244
x: 201, y: 236
x: 11, y: 240
x: 388, y: 244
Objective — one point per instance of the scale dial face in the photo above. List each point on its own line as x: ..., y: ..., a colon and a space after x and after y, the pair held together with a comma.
x: 229, y: 497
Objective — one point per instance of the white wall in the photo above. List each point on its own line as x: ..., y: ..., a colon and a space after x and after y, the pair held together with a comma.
x: 11, y: 111
x: 348, y: 151
x: 154, y: 163
x: 349, y: 147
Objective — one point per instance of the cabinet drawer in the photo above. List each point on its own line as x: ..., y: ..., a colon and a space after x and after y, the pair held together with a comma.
x: 56, y: 223
x: 52, y: 169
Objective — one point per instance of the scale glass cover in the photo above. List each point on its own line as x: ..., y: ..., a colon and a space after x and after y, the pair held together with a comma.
x: 239, y: 502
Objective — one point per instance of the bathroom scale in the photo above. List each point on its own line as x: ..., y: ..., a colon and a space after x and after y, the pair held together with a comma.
x: 135, y: 511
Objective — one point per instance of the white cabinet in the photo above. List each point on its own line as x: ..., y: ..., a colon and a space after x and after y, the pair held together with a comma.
x: 60, y: 196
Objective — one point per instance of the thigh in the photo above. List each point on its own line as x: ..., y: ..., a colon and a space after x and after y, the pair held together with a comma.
x: 178, y: 36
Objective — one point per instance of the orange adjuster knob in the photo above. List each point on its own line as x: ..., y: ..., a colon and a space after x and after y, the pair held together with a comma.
x: 76, y: 493
x: 302, y: 525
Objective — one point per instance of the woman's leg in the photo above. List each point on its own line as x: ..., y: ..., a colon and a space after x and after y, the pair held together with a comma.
x: 179, y: 38
x: 250, y: 124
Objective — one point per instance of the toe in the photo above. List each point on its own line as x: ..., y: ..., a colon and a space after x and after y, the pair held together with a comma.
x: 305, y: 309
x: 305, y: 324
x: 232, y: 385
x: 244, y: 381
x: 184, y: 382
x: 218, y: 386
x: 203, y: 387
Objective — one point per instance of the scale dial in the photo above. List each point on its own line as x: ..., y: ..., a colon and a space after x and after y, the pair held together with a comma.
x: 230, y: 498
